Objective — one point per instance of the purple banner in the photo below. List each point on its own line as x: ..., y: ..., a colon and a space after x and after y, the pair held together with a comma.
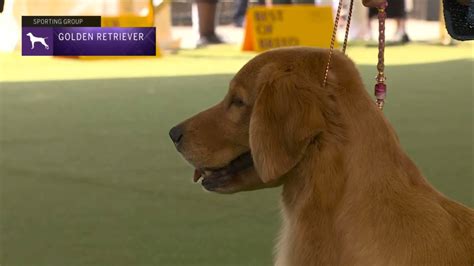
x: 84, y: 41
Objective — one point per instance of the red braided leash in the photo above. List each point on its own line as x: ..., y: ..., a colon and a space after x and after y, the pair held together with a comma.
x: 380, y: 86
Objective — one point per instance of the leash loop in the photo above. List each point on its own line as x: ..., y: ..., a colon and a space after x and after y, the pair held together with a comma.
x: 349, y: 17
x: 333, y: 40
x: 380, y: 86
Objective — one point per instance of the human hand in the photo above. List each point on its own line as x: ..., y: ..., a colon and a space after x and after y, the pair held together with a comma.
x: 374, y: 3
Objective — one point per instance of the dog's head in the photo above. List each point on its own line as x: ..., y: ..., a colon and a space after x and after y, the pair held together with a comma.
x: 273, y: 110
x: 29, y: 34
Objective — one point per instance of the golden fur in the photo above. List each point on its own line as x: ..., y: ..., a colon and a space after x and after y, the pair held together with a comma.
x: 351, y: 195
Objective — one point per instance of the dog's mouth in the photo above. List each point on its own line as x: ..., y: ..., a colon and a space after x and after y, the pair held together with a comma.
x: 242, y: 162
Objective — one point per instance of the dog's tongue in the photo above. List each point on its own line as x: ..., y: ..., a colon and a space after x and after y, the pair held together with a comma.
x: 197, y: 175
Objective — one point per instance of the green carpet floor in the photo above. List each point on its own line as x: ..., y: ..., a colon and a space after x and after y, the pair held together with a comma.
x: 89, y: 176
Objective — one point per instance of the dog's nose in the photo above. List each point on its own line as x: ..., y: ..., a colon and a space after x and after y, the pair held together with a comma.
x: 176, y: 134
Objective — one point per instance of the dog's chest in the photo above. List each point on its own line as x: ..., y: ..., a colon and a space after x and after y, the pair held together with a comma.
x: 306, y: 241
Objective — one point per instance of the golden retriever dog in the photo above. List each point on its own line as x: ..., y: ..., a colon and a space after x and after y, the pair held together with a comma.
x: 351, y: 195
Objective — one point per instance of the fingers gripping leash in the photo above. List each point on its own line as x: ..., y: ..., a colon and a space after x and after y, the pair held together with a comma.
x: 380, y: 86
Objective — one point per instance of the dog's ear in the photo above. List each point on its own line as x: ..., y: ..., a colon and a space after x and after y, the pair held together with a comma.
x: 286, y: 117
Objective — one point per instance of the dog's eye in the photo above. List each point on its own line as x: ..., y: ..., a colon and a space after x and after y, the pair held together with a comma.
x: 237, y: 102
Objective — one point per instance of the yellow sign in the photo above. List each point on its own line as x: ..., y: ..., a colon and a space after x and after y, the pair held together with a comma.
x: 287, y: 25
x: 128, y: 20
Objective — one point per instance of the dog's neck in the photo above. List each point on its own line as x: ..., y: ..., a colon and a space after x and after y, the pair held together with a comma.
x: 311, y: 194
x: 344, y: 172
x: 365, y: 148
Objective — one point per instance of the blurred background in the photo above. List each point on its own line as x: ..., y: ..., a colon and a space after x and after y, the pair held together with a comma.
x: 90, y: 177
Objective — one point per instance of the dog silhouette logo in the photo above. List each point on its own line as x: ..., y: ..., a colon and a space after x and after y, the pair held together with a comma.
x: 34, y: 39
